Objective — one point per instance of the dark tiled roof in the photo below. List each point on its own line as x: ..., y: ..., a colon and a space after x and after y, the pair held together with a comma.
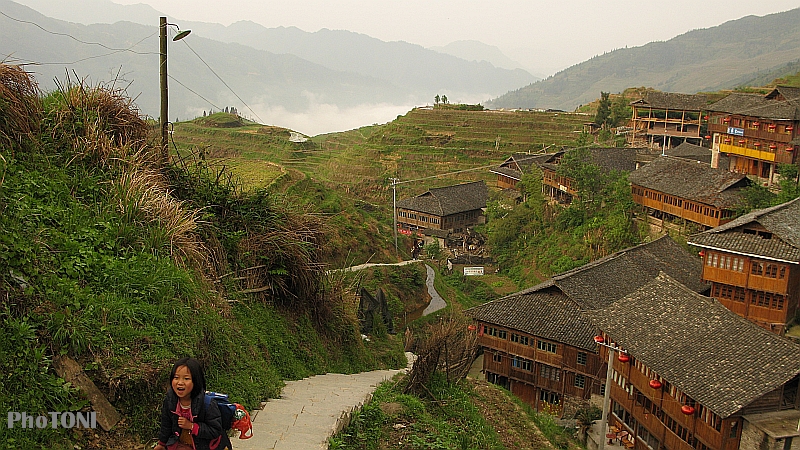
x: 788, y: 93
x: 690, y: 151
x: 716, y: 357
x: 669, y: 100
x: 545, y: 314
x: 607, y: 158
x: 783, y: 221
x: 757, y: 106
x: 691, y: 180
x: 449, y: 200
x: 521, y: 161
x: 602, y: 282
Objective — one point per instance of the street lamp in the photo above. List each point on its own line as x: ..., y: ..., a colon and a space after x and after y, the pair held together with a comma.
x: 599, y: 340
x: 163, y: 75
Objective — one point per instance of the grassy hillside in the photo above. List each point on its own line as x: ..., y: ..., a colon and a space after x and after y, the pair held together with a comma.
x: 721, y: 57
x: 124, y: 263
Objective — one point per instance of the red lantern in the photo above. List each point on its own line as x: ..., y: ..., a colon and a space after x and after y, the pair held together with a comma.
x: 789, y: 149
x: 755, y: 124
x: 472, y: 328
x: 726, y: 120
x: 757, y: 144
x: 742, y: 141
x: 705, y: 117
x: 623, y: 357
x: 708, y: 136
x: 688, y: 410
x: 599, y: 339
x: 702, y: 253
x: 727, y: 140
x: 772, y: 126
x: 773, y: 146
x: 789, y: 128
x: 655, y: 384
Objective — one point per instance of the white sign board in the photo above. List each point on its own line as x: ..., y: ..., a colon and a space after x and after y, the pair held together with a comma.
x: 473, y: 271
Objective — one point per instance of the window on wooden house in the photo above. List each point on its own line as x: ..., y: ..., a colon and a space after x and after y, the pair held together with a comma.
x: 522, y: 363
x: 519, y: 339
x: 497, y: 357
x: 757, y: 268
x: 580, y: 381
x: 771, y: 271
x: 582, y: 357
x: 546, y: 346
x: 549, y: 397
x: 551, y: 373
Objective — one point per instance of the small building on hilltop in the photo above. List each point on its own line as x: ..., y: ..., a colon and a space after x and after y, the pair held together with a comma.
x: 758, y: 132
x: 664, y: 120
x: 670, y: 188
x: 753, y: 264
x: 538, y: 345
x: 452, y: 208
x: 562, y: 189
x: 696, y: 376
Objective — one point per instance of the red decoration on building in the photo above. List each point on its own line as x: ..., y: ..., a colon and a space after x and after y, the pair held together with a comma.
x: 599, y: 339
x: 726, y: 120
x: 727, y: 140
x: 472, y: 328
x: 688, y: 410
x: 655, y: 384
x: 789, y: 128
x: 623, y: 357
x: 773, y: 146
x: 742, y: 141
x: 757, y: 144
x: 789, y: 148
x: 708, y: 136
x: 755, y: 124
x: 702, y: 253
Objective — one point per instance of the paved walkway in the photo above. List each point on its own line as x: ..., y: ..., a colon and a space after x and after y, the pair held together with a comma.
x: 311, y: 410
x: 437, y: 302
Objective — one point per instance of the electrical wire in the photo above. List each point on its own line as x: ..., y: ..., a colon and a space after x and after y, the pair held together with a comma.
x: 223, y: 81
x: 115, y: 50
x: 193, y: 92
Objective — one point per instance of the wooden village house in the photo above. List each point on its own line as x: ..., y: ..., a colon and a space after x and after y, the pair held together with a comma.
x: 452, y: 208
x: 510, y: 171
x: 753, y: 265
x: 538, y: 345
x: 757, y: 132
x: 688, y: 374
x: 562, y: 189
x: 670, y: 188
x: 664, y: 120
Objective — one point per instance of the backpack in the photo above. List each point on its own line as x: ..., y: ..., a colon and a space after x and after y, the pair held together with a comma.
x: 234, y: 416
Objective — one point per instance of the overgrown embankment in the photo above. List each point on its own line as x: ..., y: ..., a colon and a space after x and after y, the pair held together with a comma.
x: 126, y: 262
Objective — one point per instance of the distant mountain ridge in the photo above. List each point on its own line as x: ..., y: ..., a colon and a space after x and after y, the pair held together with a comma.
x: 397, y: 72
x: 720, y: 57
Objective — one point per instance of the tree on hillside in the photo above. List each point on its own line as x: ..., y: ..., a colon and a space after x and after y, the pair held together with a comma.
x: 444, y: 99
x: 603, y: 114
x: 436, y: 99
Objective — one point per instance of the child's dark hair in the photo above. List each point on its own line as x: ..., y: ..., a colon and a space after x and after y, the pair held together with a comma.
x: 196, y: 369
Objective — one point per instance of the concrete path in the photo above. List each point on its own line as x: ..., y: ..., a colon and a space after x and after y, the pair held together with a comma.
x: 364, y: 266
x: 437, y: 302
x: 311, y: 410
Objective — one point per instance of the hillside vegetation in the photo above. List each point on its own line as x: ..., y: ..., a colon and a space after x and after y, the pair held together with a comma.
x: 126, y: 263
x: 722, y: 57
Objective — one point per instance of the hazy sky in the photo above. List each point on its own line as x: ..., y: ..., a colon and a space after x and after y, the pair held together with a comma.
x: 545, y: 36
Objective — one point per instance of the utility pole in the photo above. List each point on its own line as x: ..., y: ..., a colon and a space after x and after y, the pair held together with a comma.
x: 394, y: 210
x: 164, y: 95
x: 164, y: 121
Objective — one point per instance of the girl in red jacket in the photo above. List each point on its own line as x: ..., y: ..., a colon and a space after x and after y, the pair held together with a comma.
x: 186, y: 424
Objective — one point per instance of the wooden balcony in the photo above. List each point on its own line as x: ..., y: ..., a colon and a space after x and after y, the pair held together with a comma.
x: 752, y: 134
x: 768, y: 284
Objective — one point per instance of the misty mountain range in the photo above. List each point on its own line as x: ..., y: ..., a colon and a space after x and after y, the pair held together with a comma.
x: 276, y: 68
x: 747, y: 51
x: 287, y: 72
